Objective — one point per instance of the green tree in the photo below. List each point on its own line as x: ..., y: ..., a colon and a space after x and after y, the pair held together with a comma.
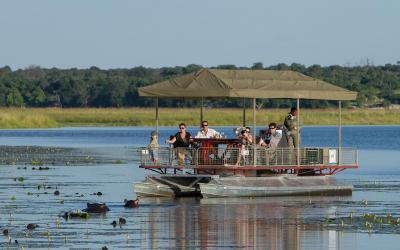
x: 39, y: 97
x: 14, y: 98
x: 257, y: 65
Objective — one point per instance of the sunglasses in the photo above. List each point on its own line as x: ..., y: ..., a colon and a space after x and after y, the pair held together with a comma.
x: 182, y: 128
x: 272, y: 128
x: 204, y: 125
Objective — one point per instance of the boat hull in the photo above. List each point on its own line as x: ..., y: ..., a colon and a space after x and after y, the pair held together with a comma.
x: 215, y: 186
x: 146, y: 189
x: 170, y: 185
x: 274, y: 186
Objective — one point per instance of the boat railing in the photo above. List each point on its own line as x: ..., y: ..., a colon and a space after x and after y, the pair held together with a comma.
x: 246, y: 156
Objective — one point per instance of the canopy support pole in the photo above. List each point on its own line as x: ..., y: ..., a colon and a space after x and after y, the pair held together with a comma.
x: 254, y: 133
x: 298, y: 134
x: 156, y: 114
x: 340, y: 133
x: 201, y: 110
x: 244, y: 112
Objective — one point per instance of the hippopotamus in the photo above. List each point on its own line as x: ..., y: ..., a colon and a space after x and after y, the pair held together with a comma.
x: 131, y: 203
x: 96, y: 208
x: 31, y: 226
x: 122, y: 221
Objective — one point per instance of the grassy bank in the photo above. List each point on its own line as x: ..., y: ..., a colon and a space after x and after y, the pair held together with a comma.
x: 55, y: 117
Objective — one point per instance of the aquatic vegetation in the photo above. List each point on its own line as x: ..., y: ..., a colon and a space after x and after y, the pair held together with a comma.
x: 368, y: 225
x: 365, y: 202
x: 21, y: 179
x: 38, y: 157
x: 78, y: 214
x: 13, y: 198
x: 35, y: 162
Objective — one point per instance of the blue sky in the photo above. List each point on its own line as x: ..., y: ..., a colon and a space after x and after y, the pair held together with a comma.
x: 124, y: 34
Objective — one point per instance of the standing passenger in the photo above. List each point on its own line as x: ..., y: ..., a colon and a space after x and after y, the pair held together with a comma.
x: 292, y: 127
x: 243, y: 152
x: 153, y: 147
x: 181, y: 142
x: 250, y: 137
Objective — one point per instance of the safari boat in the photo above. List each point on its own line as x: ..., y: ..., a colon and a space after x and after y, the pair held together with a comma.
x: 221, y: 167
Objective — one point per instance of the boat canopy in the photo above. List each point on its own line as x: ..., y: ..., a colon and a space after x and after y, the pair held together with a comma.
x: 270, y: 84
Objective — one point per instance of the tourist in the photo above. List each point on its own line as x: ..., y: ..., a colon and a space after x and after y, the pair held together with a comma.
x: 274, y: 136
x: 292, y: 128
x: 249, y: 136
x: 181, y: 141
x: 243, y: 152
x: 153, y: 146
x: 206, y: 132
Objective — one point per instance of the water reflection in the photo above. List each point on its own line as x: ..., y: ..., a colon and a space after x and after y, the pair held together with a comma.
x: 266, y: 223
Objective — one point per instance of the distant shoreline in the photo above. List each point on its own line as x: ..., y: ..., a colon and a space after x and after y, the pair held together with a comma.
x: 13, y: 118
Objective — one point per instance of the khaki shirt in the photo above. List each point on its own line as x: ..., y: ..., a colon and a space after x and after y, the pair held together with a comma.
x: 291, y: 122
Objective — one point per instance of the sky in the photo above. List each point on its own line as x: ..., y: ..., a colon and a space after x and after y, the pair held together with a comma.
x: 149, y: 33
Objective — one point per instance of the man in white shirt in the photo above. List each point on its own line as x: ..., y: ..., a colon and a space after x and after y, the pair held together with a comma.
x: 206, y: 132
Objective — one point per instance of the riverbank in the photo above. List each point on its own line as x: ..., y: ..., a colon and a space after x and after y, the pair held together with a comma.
x: 12, y: 118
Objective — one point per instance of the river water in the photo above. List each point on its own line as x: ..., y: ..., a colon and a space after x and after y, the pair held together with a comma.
x: 365, y: 220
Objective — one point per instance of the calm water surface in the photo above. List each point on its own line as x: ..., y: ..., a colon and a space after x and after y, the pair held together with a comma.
x: 267, y: 223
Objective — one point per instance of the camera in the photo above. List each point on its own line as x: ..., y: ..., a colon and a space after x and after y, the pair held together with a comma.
x: 237, y: 131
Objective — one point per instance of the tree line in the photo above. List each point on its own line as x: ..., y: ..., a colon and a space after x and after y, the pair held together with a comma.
x: 94, y: 87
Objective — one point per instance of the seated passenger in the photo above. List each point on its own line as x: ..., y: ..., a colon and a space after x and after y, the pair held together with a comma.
x: 206, y: 132
x: 181, y: 142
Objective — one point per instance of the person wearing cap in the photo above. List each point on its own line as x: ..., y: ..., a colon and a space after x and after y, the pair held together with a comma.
x: 292, y: 127
x: 153, y: 146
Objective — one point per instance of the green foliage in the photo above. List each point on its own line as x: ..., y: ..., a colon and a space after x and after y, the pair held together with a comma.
x: 94, y: 87
x: 14, y: 98
x: 35, y: 162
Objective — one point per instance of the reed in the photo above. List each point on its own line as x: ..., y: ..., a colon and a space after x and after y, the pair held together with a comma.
x: 11, y: 118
